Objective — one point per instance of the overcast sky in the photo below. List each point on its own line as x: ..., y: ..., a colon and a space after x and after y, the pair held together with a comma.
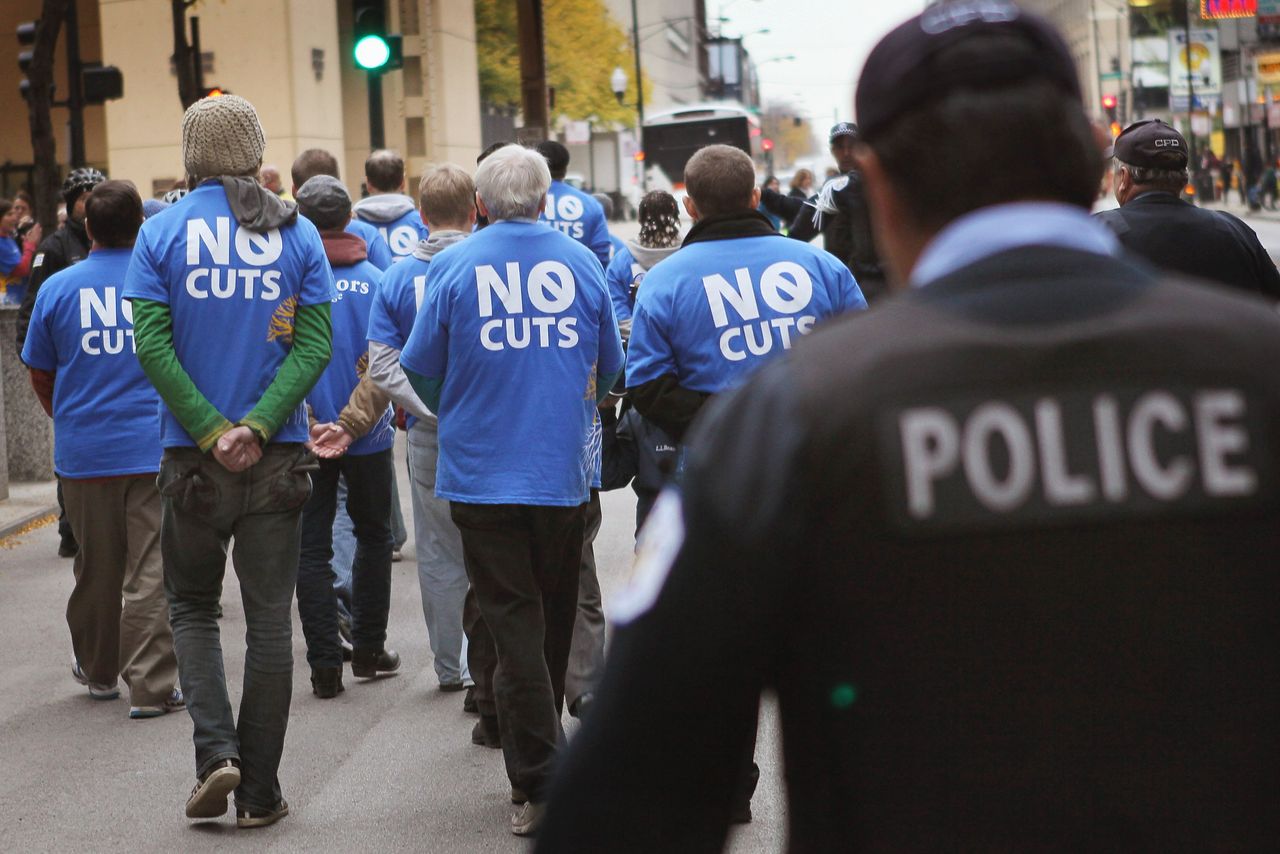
x: 829, y: 38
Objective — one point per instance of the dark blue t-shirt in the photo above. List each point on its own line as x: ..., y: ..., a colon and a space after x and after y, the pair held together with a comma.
x: 233, y: 294
x: 517, y: 324
x: 578, y: 215
x: 379, y: 253
x: 714, y: 311
x: 104, y: 408
x: 357, y: 287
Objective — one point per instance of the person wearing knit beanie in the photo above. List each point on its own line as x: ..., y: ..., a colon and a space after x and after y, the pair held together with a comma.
x: 233, y: 330
x: 221, y: 136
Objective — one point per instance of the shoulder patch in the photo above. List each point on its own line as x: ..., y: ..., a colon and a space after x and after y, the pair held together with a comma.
x: 658, y: 545
x: 38, y: 260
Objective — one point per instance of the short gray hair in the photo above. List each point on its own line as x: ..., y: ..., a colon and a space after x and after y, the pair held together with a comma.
x: 512, y: 183
x: 1166, y: 179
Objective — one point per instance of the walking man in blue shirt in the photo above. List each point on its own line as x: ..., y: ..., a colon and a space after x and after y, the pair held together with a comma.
x: 388, y: 209
x: 79, y: 348
x: 570, y: 210
x: 513, y: 348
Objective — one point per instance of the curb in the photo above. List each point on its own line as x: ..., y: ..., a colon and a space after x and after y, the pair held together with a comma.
x: 11, y: 528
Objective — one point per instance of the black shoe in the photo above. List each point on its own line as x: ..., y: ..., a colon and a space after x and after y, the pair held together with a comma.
x: 369, y: 663
x: 452, y: 687
x: 68, y: 547
x: 485, y: 732
x: 469, y: 704
x: 209, y: 797
x: 261, y: 818
x: 578, y: 708
x: 326, y: 682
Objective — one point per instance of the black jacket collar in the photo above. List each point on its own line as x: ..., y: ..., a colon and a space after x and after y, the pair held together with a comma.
x: 730, y: 226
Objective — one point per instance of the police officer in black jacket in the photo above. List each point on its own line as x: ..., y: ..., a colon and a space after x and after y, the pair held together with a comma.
x: 1005, y: 548
x: 1155, y: 223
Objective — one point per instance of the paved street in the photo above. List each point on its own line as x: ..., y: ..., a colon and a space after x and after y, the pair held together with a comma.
x: 386, y: 766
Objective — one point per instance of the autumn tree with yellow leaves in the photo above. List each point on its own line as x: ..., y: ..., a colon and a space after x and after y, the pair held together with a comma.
x: 583, y: 46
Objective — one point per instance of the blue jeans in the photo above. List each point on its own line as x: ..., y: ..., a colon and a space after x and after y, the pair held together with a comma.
x: 344, y: 543
x: 442, y: 575
x: 368, y: 478
x: 204, y: 506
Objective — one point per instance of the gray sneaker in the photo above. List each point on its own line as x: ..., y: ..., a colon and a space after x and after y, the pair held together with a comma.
x: 97, y: 690
x: 527, y: 819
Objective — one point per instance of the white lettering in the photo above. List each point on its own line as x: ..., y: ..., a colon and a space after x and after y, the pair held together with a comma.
x: 91, y: 305
x: 1060, y: 486
x: 220, y: 289
x: 1217, y: 438
x: 728, y: 352
x: 742, y: 298
x: 193, y: 277
x: 258, y: 249
x: 786, y: 287
x: 419, y: 290
x: 931, y: 449
x: 1106, y: 423
x: 987, y: 421
x: 270, y: 285
x: 486, y: 336
x: 567, y: 327
x: 1168, y: 482
x: 551, y: 287
x: 219, y: 244
x: 488, y: 283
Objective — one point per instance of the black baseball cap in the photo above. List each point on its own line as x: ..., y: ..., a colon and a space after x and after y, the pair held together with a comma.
x: 842, y: 129
x: 903, y: 71
x: 1151, y: 145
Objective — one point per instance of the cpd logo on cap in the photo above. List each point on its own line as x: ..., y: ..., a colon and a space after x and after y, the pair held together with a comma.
x: 1167, y: 143
x: 948, y: 16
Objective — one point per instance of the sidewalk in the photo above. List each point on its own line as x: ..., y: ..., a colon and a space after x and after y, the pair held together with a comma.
x: 28, y: 505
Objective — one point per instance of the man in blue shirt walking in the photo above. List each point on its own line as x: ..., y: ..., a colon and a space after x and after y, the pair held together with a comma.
x: 570, y: 210
x: 513, y: 348
x: 389, y: 210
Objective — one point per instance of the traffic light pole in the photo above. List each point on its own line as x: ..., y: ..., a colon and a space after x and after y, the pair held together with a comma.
x: 377, y: 135
x: 75, y: 97
x: 635, y: 42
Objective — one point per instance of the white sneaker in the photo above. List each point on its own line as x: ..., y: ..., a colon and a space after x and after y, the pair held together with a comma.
x: 527, y: 819
x: 97, y: 690
x: 173, y: 703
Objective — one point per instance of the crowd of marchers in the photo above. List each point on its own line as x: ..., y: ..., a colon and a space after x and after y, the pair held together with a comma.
x: 231, y: 366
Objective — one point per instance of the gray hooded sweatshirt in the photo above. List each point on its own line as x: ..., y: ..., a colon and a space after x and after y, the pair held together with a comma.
x: 384, y: 360
x: 384, y: 207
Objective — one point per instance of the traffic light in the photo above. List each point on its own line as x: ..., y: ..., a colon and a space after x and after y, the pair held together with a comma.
x: 375, y: 49
x: 101, y: 83
x: 766, y: 144
x: 26, y: 38
x: 1109, y: 105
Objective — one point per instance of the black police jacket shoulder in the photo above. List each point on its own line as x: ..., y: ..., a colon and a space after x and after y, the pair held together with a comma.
x: 1179, y: 237
x: 846, y: 234
x: 1006, y: 551
x: 68, y: 245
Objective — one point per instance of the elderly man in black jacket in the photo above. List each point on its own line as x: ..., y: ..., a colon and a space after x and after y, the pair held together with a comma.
x: 1155, y: 223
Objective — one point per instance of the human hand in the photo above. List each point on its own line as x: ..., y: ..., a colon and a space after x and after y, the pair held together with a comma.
x: 34, y: 234
x: 329, y: 441
x: 237, y: 449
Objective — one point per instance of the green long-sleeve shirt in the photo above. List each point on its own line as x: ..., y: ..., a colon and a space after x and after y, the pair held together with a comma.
x: 302, y: 367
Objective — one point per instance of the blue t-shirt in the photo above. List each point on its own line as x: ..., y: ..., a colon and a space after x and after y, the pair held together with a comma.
x: 623, y: 272
x: 379, y: 253
x: 714, y: 311
x: 233, y: 294
x: 104, y: 408
x: 357, y: 287
x: 517, y: 323
x: 396, y: 306
x: 402, y: 234
x: 578, y: 215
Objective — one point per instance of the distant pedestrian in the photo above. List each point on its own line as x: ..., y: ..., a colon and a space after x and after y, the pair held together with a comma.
x: 231, y: 296
x: 79, y: 350
x: 801, y: 184
x: 446, y: 199
x: 68, y: 245
x: 1155, y: 223
x: 570, y: 210
x: 387, y: 208
x: 659, y: 238
x: 513, y: 347
x: 17, y: 249
x: 353, y: 437
x: 269, y: 177
x: 317, y: 161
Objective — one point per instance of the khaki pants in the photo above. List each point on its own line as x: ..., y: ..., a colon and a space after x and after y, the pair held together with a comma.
x: 117, y: 613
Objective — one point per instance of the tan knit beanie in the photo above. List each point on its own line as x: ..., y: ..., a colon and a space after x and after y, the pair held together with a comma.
x: 221, y: 136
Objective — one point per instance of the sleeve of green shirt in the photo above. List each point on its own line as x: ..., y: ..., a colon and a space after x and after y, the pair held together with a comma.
x: 312, y: 347
x: 153, y: 338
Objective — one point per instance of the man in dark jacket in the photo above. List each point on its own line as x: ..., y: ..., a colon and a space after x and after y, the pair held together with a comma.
x: 839, y: 212
x: 1154, y: 222
x: 1004, y: 548
x: 66, y: 246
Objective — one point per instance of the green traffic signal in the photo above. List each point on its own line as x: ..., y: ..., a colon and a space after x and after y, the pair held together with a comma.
x: 372, y: 52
